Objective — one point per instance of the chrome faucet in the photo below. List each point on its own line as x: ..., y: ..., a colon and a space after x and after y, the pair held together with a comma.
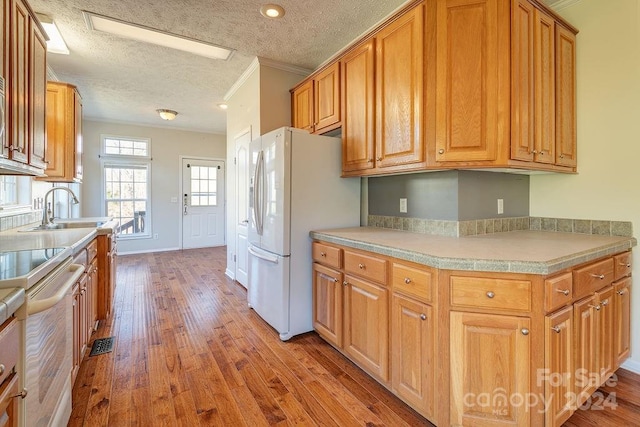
x: 46, y: 220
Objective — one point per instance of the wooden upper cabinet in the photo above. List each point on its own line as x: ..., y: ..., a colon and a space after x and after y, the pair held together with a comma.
x: 316, y: 102
x: 358, y: 108
x: 544, y: 65
x: 37, y: 98
x: 566, y: 141
x: 399, y: 90
x: 64, y: 133
x: 303, y: 106
x: 19, y: 83
x: 468, y: 94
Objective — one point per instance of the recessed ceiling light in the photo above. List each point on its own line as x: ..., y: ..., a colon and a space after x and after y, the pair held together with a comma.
x: 56, y: 43
x: 151, y: 35
x: 223, y: 106
x: 272, y: 11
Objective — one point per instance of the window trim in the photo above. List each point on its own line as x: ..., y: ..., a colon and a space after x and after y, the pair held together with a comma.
x: 103, y: 153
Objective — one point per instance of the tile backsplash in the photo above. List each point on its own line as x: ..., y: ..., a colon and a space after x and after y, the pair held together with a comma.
x: 497, y: 225
x: 9, y: 221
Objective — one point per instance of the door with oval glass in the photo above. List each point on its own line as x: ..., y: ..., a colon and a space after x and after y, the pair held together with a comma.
x: 202, y: 203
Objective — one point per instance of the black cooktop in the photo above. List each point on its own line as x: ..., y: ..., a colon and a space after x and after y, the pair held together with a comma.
x: 19, y: 263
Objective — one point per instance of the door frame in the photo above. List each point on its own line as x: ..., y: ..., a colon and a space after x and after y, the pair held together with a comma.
x: 180, y: 183
x: 245, y: 131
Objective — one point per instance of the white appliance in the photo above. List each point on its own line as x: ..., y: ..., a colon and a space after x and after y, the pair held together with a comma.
x: 295, y: 187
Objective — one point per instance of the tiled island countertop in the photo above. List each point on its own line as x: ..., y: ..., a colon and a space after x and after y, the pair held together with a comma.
x: 536, y: 252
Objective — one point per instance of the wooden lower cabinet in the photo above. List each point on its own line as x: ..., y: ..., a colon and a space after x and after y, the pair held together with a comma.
x: 107, y: 256
x: 558, y: 361
x: 585, y: 348
x: 77, y: 342
x: 622, y: 326
x: 366, y: 325
x: 489, y: 367
x: 412, y: 353
x: 327, y: 307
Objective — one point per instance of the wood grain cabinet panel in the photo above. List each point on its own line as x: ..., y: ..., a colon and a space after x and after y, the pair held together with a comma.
x: 326, y: 96
x: 566, y: 140
x: 302, y: 104
x: 606, y: 333
x: 558, y: 291
x: 328, y: 303
x: 622, y: 265
x: 367, y: 266
x: 622, y: 326
x: 37, y: 98
x: 489, y: 354
x: 590, y: 278
x: 327, y: 255
x: 19, y: 83
x: 585, y: 347
x: 412, y: 281
x: 559, y: 375
x: 483, y: 292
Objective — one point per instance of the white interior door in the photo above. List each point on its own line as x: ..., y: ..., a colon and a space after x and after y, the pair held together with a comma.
x: 242, y: 199
x: 202, y: 203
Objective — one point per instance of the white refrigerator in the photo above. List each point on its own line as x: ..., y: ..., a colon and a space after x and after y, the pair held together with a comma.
x: 295, y: 187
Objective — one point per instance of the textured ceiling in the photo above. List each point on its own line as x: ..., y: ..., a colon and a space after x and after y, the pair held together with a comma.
x: 123, y: 80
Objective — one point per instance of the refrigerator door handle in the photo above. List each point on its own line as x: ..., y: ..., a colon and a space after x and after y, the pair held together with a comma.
x: 257, y: 184
x: 267, y: 257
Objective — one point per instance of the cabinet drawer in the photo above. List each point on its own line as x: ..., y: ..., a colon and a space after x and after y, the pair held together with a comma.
x: 412, y: 281
x: 8, y: 348
x: 588, y: 279
x: 92, y: 250
x: 480, y: 292
x: 327, y: 255
x: 81, y: 257
x: 558, y: 291
x: 366, y: 266
x: 621, y: 266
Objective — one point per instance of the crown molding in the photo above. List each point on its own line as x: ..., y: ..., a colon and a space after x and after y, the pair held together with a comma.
x: 562, y: 4
x: 260, y: 61
x: 51, y: 75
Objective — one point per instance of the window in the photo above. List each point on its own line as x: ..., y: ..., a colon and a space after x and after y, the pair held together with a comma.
x: 127, y: 184
x: 8, y: 190
x: 204, y: 185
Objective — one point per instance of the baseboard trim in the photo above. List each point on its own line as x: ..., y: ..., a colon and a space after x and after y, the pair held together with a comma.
x: 230, y: 274
x: 631, y: 365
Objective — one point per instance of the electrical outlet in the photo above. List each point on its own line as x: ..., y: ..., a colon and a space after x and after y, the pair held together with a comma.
x: 403, y: 205
x: 500, y: 206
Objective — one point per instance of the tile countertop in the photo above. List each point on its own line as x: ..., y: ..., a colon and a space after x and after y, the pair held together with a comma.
x: 535, y: 252
x: 10, y: 300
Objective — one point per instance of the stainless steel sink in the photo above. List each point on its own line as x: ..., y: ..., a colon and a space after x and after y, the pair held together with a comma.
x: 66, y: 225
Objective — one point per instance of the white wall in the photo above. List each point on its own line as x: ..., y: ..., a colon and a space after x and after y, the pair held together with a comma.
x: 608, y: 107
x: 167, y: 145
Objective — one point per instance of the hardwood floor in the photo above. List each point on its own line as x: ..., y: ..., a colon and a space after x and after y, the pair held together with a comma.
x: 188, y: 351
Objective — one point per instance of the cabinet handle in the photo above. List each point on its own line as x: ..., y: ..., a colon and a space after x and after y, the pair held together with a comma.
x: 22, y: 394
x: 541, y: 152
x: 605, y: 303
x: 490, y: 294
x: 534, y: 152
x: 407, y: 280
x: 2, y: 368
x: 361, y: 266
x: 622, y: 292
x: 556, y: 329
x: 423, y: 316
x: 597, y: 276
x: 370, y: 161
x: 625, y: 264
x: 15, y: 148
x: 441, y: 151
x: 597, y: 307
x: 524, y: 331
x: 564, y: 292
x: 345, y: 283
x: 322, y: 254
x: 378, y: 159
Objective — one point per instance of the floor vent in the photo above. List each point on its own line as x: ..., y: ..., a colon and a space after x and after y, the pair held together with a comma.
x: 101, y: 346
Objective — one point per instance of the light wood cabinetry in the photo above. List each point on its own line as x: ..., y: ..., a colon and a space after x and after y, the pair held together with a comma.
x: 622, y: 325
x: 24, y: 70
x: 64, y: 133
x: 328, y: 305
x: 489, y: 354
x: 77, y: 339
x: 559, y: 372
x: 316, y: 102
x: 107, y: 262
x: 9, y: 344
x: 566, y: 140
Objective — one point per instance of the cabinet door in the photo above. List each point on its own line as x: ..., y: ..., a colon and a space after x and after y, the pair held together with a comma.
x: 585, y: 347
x: 558, y: 385
x: 468, y: 98
x: 622, y: 327
x: 37, y: 98
x: 490, y: 356
x: 399, y: 91
x: 566, y: 154
x: 303, y: 106
x: 18, y: 101
x: 606, y: 333
x: 93, y: 300
x: 9, y: 401
x: 327, y: 303
x: 412, y: 353
x: 82, y: 318
x: 5, y: 70
x: 77, y: 341
x: 326, y: 94
x: 358, y: 108
x: 545, y: 97
x: 366, y: 323
x: 77, y: 120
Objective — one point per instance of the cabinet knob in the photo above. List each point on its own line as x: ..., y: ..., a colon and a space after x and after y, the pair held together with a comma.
x: 624, y: 264
x: 564, y: 292
x: 597, y: 307
x: 345, y: 283
x: 378, y: 159
x: 335, y: 280
x: 361, y: 266
x: 597, y: 276
x: 541, y: 152
x: 407, y: 280
x: 15, y: 148
x: 556, y: 329
x: 534, y: 152
x: 561, y: 156
x: 524, y: 331
x: 490, y: 294
x: 621, y: 292
x: 2, y: 368
x: 423, y: 316
x: 441, y: 151
x: 370, y: 161
x: 605, y: 303
x: 22, y: 394
x: 323, y: 254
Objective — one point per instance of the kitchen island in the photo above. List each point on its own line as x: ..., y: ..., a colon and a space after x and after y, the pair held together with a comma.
x: 514, y: 328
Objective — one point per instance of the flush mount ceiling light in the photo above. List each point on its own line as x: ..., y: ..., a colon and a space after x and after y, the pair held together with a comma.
x: 56, y: 43
x: 223, y: 106
x: 167, y: 114
x: 151, y: 35
x: 272, y: 11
